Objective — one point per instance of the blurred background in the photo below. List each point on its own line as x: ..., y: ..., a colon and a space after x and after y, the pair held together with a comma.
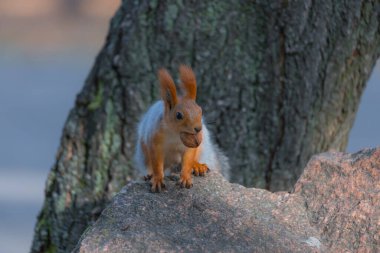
x: 47, y: 48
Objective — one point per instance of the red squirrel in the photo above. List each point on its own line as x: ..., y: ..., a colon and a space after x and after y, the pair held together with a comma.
x: 172, y: 133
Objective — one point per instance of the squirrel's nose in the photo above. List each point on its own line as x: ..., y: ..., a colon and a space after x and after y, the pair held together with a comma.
x: 198, y: 129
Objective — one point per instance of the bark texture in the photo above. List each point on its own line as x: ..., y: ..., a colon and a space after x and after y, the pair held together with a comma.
x: 278, y: 82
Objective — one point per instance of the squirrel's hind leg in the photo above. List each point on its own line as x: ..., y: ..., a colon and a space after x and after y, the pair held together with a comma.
x: 147, y: 161
x: 148, y: 177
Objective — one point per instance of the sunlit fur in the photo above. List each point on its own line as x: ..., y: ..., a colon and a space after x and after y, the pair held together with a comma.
x: 167, y: 88
x: 188, y: 81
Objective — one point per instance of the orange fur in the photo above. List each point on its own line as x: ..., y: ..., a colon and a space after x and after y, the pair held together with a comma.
x: 157, y: 161
x: 199, y: 169
x: 166, y: 144
x: 168, y: 90
x: 188, y: 160
x: 188, y: 81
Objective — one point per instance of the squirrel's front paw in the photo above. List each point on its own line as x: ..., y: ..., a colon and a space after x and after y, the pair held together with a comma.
x: 185, y: 182
x: 157, y: 184
x: 199, y: 169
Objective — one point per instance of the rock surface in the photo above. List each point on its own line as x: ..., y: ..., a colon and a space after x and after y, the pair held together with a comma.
x: 342, y: 196
x: 334, y: 208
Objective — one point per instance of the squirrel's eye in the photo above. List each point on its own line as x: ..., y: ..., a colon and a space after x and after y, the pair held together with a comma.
x: 179, y: 115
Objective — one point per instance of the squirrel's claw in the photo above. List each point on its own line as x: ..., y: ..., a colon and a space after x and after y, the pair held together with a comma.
x: 156, y: 188
x: 199, y: 169
x: 147, y: 177
x: 157, y: 184
x: 185, y: 183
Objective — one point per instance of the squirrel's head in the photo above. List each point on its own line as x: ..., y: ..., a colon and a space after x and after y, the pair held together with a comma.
x: 182, y: 114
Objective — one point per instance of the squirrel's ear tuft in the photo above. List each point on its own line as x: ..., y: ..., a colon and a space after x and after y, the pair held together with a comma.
x: 168, y: 90
x: 188, y: 82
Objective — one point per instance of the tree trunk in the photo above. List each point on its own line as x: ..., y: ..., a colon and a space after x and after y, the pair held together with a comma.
x: 278, y: 82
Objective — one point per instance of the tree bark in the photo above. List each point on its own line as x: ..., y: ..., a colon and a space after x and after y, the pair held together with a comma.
x: 278, y: 81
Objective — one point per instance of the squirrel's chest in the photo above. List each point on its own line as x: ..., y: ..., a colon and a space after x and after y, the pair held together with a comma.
x: 173, y: 150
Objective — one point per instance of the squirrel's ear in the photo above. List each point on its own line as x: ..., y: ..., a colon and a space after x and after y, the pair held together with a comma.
x: 168, y: 90
x: 188, y: 82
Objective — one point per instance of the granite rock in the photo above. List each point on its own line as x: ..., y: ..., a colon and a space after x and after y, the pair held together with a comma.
x: 334, y: 208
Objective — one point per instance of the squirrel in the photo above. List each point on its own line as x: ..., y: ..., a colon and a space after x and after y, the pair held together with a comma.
x: 172, y: 133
